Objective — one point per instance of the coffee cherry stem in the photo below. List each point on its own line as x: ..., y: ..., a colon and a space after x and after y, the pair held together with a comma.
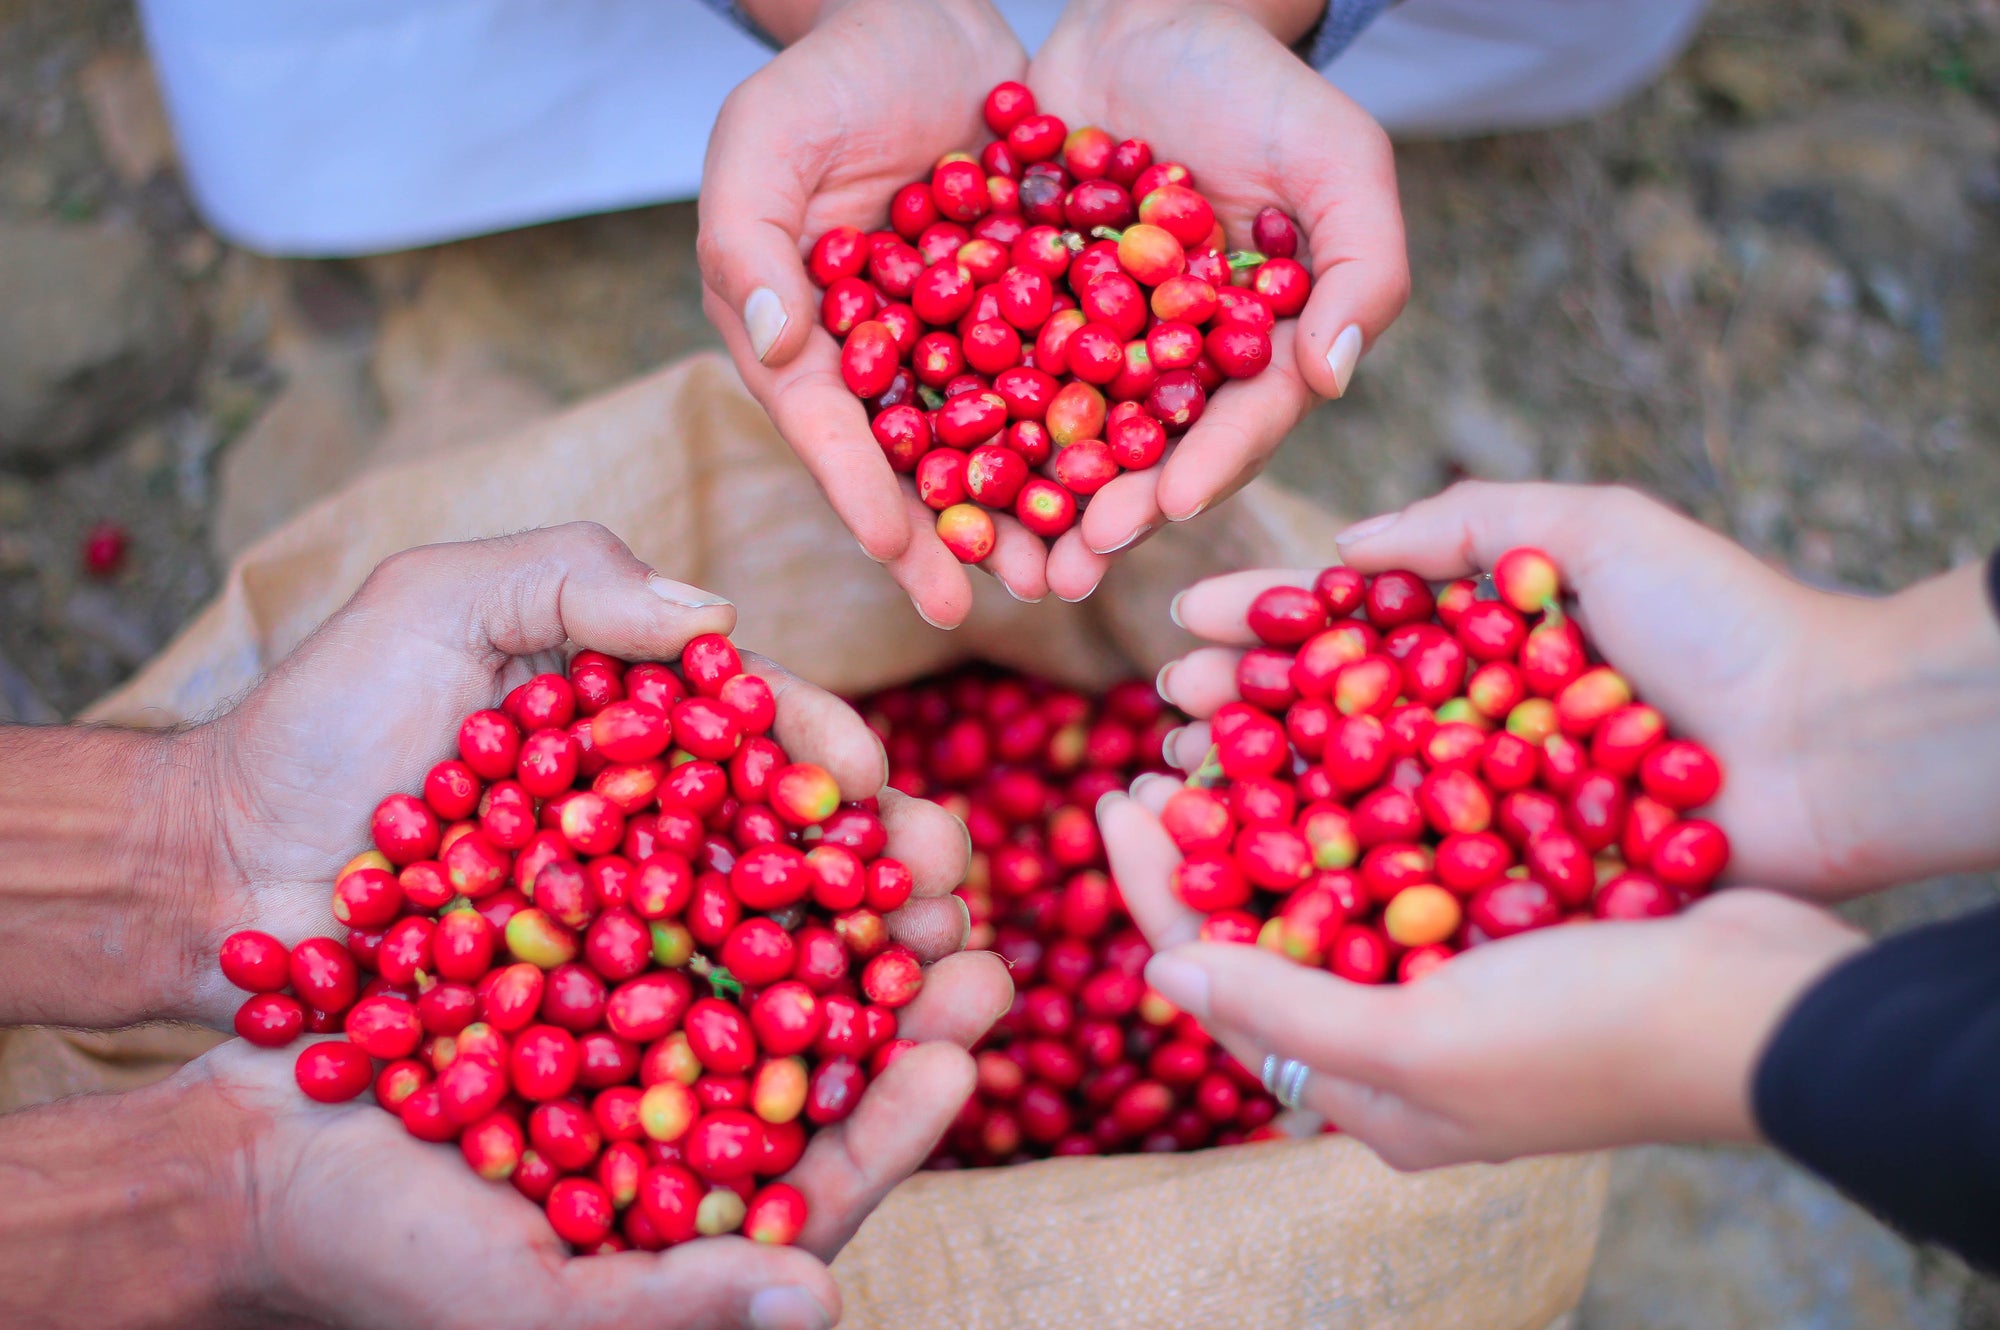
x: 725, y: 984
x: 1209, y: 774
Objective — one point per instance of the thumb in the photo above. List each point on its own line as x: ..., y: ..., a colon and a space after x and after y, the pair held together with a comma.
x: 1465, y: 530
x: 714, y: 1282
x: 1354, y: 230
x: 523, y: 594
x: 752, y: 210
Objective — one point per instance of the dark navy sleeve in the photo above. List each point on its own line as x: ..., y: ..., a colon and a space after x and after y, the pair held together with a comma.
x: 1885, y: 1080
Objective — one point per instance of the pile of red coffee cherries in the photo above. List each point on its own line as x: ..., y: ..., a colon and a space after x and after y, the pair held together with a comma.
x: 1089, y: 1060
x: 622, y: 950
x: 1409, y: 774
x: 988, y: 381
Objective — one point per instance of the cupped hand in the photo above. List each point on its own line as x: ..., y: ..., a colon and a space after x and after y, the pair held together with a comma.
x: 1206, y: 85
x: 374, y: 697
x: 1563, y: 1039
x: 356, y: 1223
x: 823, y: 136
x: 1759, y: 668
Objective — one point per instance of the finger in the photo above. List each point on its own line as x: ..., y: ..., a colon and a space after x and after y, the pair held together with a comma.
x: 1020, y: 560
x: 961, y: 998
x: 1187, y: 746
x: 1354, y: 229
x: 714, y: 1284
x: 813, y: 725
x: 1396, y: 1130
x: 1245, y: 422
x: 1142, y: 859
x: 1123, y: 513
x: 847, y: 1171
x: 1202, y: 680
x: 1153, y: 789
x: 930, y: 573
x: 1352, y: 1031
x: 532, y: 592
x: 827, y: 427
x: 1468, y: 527
x: 933, y: 928
x: 1217, y: 608
x: 933, y: 844
x: 1074, y: 571
x: 756, y: 181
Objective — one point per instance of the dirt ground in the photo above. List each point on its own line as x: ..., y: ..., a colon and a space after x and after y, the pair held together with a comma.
x: 1767, y: 289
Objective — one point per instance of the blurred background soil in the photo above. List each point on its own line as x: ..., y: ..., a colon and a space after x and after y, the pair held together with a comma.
x: 1767, y: 289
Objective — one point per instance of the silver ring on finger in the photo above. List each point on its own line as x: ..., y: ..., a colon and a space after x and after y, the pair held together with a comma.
x: 1285, y: 1078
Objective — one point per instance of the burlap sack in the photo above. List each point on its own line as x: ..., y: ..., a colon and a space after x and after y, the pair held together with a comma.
x: 685, y: 466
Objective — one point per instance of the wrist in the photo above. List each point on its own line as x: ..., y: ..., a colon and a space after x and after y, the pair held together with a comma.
x: 1901, y: 772
x: 105, y: 874
x: 1287, y: 20
x: 127, y: 1211
x: 1747, y: 957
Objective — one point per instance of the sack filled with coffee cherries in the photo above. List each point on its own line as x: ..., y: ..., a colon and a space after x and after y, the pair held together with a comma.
x: 1219, y: 1228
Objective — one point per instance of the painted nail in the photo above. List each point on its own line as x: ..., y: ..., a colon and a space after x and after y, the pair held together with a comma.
x: 1174, y: 610
x: 1191, y: 513
x: 683, y: 595
x: 1160, y: 682
x: 1085, y: 596
x: 1343, y: 356
x: 1149, y: 780
x: 1361, y: 531
x: 787, y: 1309
x: 765, y: 318
x: 1145, y: 529
x: 1181, y: 982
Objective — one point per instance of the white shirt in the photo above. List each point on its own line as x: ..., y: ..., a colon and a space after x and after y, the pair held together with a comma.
x: 352, y: 126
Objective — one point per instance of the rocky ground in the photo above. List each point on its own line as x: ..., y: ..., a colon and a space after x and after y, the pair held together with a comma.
x: 1767, y: 289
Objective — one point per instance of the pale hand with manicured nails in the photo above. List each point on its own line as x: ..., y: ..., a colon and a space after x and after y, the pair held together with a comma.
x: 1562, y: 1040
x: 803, y: 147
x: 1207, y: 85
x: 1814, y: 702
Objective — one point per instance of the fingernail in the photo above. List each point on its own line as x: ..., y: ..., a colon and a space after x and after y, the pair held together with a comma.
x: 787, y: 1309
x: 1190, y: 514
x: 1180, y: 982
x: 1106, y: 800
x: 765, y: 318
x: 1342, y: 357
x: 1174, y: 610
x: 1145, y: 781
x: 1170, y: 741
x: 1145, y: 529
x: 1077, y: 600
x: 1361, y: 531
x: 683, y: 595
x: 1160, y: 682
x: 1025, y: 600
x: 943, y: 628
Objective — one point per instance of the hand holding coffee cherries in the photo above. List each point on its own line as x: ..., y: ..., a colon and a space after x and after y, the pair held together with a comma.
x: 378, y: 694
x: 1269, y: 139
x: 822, y: 137
x: 361, y: 1224
x: 1568, y: 1038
